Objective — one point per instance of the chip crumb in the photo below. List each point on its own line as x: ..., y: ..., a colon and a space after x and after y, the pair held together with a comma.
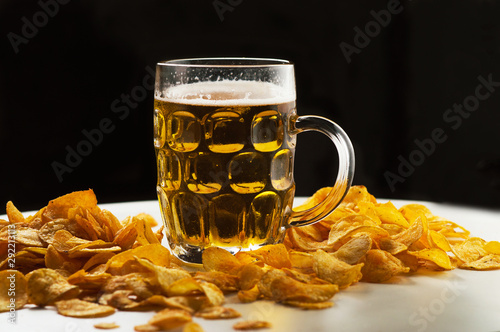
x: 106, y: 326
x: 252, y: 325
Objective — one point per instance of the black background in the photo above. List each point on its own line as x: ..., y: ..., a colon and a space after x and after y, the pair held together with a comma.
x: 63, y: 77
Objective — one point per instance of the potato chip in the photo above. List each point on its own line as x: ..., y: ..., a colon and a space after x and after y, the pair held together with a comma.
x: 488, y: 262
x: 49, y: 229
x: 470, y: 250
x: 435, y: 255
x: 155, y: 253
x: 218, y: 259
x: 226, y: 282
x: 251, y: 295
x: 252, y: 325
x: 285, y: 288
x: 146, y: 328
x: 274, y: 255
x: 82, y: 309
x: 392, y: 246
x: 106, y: 326
x: 13, y: 214
x: 214, y: 296
x: 165, y: 277
x: 13, y: 290
x: 492, y: 247
x: 301, y: 261
x: 59, y: 207
x: 218, y: 312
x: 192, y: 327
x: 388, y: 214
x: 380, y: 266
x: 56, y: 260
x: 335, y: 271
x: 46, y: 286
x: 249, y: 276
x: 265, y: 282
x: 309, y: 305
x: 167, y: 319
x: 412, y: 234
x: 354, y: 249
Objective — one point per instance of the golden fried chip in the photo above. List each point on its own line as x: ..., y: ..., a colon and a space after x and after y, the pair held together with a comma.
x: 14, y: 215
x: 218, y: 259
x: 252, y: 325
x: 492, y: 247
x: 301, y: 261
x: 59, y: 207
x: 274, y: 255
x: 226, y: 282
x: 285, y: 288
x: 22, y: 234
x: 249, y: 276
x: 106, y: 326
x: 49, y: 229
x: 488, y: 262
x: 470, y: 250
x: 251, y: 295
x: 435, y: 255
x: 46, y: 286
x: 412, y: 234
x: 146, y: 328
x: 380, y: 266
x: 392, y: 246
x: 354, y: 249
x: 155, y: 253
x: 168, y: 319
x: 218, y: 312
x: 56, y: 260
x: 388, y: 214
x: 165, y: 277
x: 438, y: 240
x: 309, y: 305
x: 83, y: 309
x: 335, y: 271
x: 267, y: 279
x: 13, y: 290
x: 192, y: 327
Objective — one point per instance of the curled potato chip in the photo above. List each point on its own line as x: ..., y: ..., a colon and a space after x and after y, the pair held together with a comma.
x: 167, y: 319
x: 380, y: 266
x: 488, y: 262
x: 249, y: 276
x: 251, y: 295
x: 218, y: 259
x: 392, y: 246
x: 13, y: 290
x: 13, y: 214
x: 470, y: 250
x: 218, y: 312
x: 192, y: 327
x: 106, y: 326
x: 335, y: 271
x: 309, y: 305
x: 226, y: 282
x: 388, y: 214
x: 274, y: 255
x: 265, y: 282
x: 354, y: 249
x: 492, y: 247
x: 82, y: 309
x: 46, y: 286
x: 155, y: 253
x: 412, y: 234
x: 252, y: 325
x: 285, y: 288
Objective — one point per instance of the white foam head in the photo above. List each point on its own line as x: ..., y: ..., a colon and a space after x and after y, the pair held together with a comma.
x: 229, y: 93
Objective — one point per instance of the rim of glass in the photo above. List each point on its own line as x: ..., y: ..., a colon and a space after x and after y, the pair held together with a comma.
x: 226, y: 62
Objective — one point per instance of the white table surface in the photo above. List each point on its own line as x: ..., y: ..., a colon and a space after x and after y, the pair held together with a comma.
x: 458, y: 300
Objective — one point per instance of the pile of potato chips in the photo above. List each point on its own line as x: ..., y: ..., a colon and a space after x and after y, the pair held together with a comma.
x: 84, y: 261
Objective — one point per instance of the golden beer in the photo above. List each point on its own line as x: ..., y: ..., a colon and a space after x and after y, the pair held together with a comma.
x: 225, y: 157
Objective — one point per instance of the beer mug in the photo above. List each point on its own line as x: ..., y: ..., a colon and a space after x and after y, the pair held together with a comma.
x: 225, y: 132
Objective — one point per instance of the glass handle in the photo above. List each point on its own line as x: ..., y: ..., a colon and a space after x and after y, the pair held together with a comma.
x: 345, y: 171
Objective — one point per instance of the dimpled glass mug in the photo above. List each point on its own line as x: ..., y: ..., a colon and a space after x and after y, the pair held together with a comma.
x: 225, y: 134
